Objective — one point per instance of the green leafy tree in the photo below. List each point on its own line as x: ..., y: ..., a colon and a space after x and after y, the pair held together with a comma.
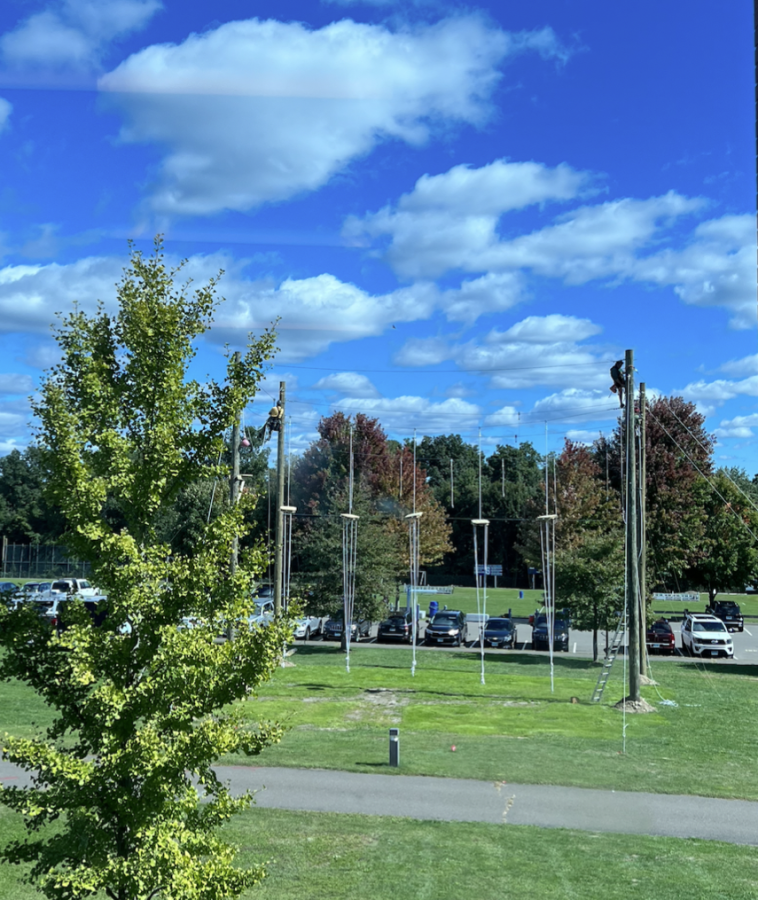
x: 320, y: 488
x: 679, y: 453
x: 26, y: 516
x: 141, y: 707
x: 589, y: 561
x: 728, y: 557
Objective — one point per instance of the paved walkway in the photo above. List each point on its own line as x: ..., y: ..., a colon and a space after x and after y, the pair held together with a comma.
x: 461, y: 800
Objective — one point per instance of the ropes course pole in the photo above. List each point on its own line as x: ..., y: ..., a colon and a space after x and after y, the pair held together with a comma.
x: 481, y: 572
x: 547, y: 545
x: 286, y: 513
x: 413, y: 520
x: 349, y: 555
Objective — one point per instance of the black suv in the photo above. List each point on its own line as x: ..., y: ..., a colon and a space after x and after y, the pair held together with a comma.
x: 540, y: 637
x: 398, y: 627
x: 332, y: 630
x: 500, y: 631
x: 729, y: 612
x: 447, y: 627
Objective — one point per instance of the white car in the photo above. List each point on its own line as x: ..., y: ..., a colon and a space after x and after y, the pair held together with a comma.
x: 307, y: 626
x: 704, y: 635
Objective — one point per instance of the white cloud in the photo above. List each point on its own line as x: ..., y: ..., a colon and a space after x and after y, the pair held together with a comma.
x: 5, y: 113
x: 7, y: 447
x: 509, y: 416
x: 257, y: 111
x: 578, y: 436
x: 73, y: 33
x: 494, y: 292
x: 401, y: 415
x: 314, y: 312
x: 709, y: 395
x: 11, y: 425
x: 13, y: 383
x: 573, y: 404
x: 539, y: 350
x: 739, y: 427
x: 716, y: 268
x: 350, y: 384
x: 449, y: 221
x: 748, y: 365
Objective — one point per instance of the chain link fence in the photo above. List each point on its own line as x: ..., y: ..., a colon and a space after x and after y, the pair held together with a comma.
x: 40, y: 561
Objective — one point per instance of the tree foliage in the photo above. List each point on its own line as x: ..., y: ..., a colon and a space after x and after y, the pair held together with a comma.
x: 25, y: 514
x: 727, y: 559
x: 137, y: 701
x: 384, y: 480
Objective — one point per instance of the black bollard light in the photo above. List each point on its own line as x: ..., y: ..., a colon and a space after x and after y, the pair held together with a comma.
x: 395, y: 747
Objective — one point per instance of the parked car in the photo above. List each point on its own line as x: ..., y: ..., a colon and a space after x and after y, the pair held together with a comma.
x: 8, y: 588
x: 447, y: 627
x: 704, y: 635
x: 540, y: 632
x: 660, y: 637
x: 397, y: 627
x: 73, y: 586
x: 307, y: 626
x: 729, y: 612
x: 334, y: 626
x: 264, y: 591
x: 501, y: 631
x: 58, y: 613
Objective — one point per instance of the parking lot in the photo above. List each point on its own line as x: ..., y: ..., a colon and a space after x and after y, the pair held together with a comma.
x: 580, y: 644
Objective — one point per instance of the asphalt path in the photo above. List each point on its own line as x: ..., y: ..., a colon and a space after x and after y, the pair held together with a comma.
x: 463, y: 800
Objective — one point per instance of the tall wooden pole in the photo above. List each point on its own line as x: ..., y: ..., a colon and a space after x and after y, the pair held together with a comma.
x: 643, y: 534
x: 279, y: 538
x: 632, y: 560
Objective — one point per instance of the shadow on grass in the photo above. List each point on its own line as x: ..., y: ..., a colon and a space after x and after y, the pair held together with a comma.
x: 747, y: 671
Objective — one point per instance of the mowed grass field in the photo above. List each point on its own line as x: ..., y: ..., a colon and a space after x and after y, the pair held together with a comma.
x: 512, y: 728
x: 323, y: 856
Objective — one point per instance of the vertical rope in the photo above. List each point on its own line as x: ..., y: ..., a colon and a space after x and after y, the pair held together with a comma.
x: 414, y: 470
x: 480, y: 473
x: 452, y: 495
x: 350, y: 497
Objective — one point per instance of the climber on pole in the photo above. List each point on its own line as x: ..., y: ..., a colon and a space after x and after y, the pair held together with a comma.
x: 619, y: 382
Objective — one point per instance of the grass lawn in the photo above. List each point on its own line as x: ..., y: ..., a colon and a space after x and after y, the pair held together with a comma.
x: 510, y: 729
x: 326, y: 856
x: 513, y: 728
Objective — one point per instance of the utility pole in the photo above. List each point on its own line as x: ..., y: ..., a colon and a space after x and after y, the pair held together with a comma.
x: 279, y: 538
x: 643, y: 534
x: 632, y: 559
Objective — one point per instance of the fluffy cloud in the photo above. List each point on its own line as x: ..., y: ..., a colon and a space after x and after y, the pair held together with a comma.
x: 12, y: 383
x: 539, y: 350
x: 349, y: 384
x: 400, y: 415
x: 73, y: 33
x: 313, y: 312
x: 739, y: 427
x: 449, y: 221
x: 5, y: 113
x: 709, y: 395
x: 256, y: 111
x: 716, y: 268
x: 573, y: 404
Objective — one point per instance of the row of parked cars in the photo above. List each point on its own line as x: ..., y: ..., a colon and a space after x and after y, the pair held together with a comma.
x: 705, y: 634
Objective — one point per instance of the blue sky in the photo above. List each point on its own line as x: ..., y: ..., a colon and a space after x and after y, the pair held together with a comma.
x: 461, y: 214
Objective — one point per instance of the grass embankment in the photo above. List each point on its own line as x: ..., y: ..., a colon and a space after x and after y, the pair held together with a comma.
x: 510, y: 729
x: 323, y: 856
x: 499, y: 600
